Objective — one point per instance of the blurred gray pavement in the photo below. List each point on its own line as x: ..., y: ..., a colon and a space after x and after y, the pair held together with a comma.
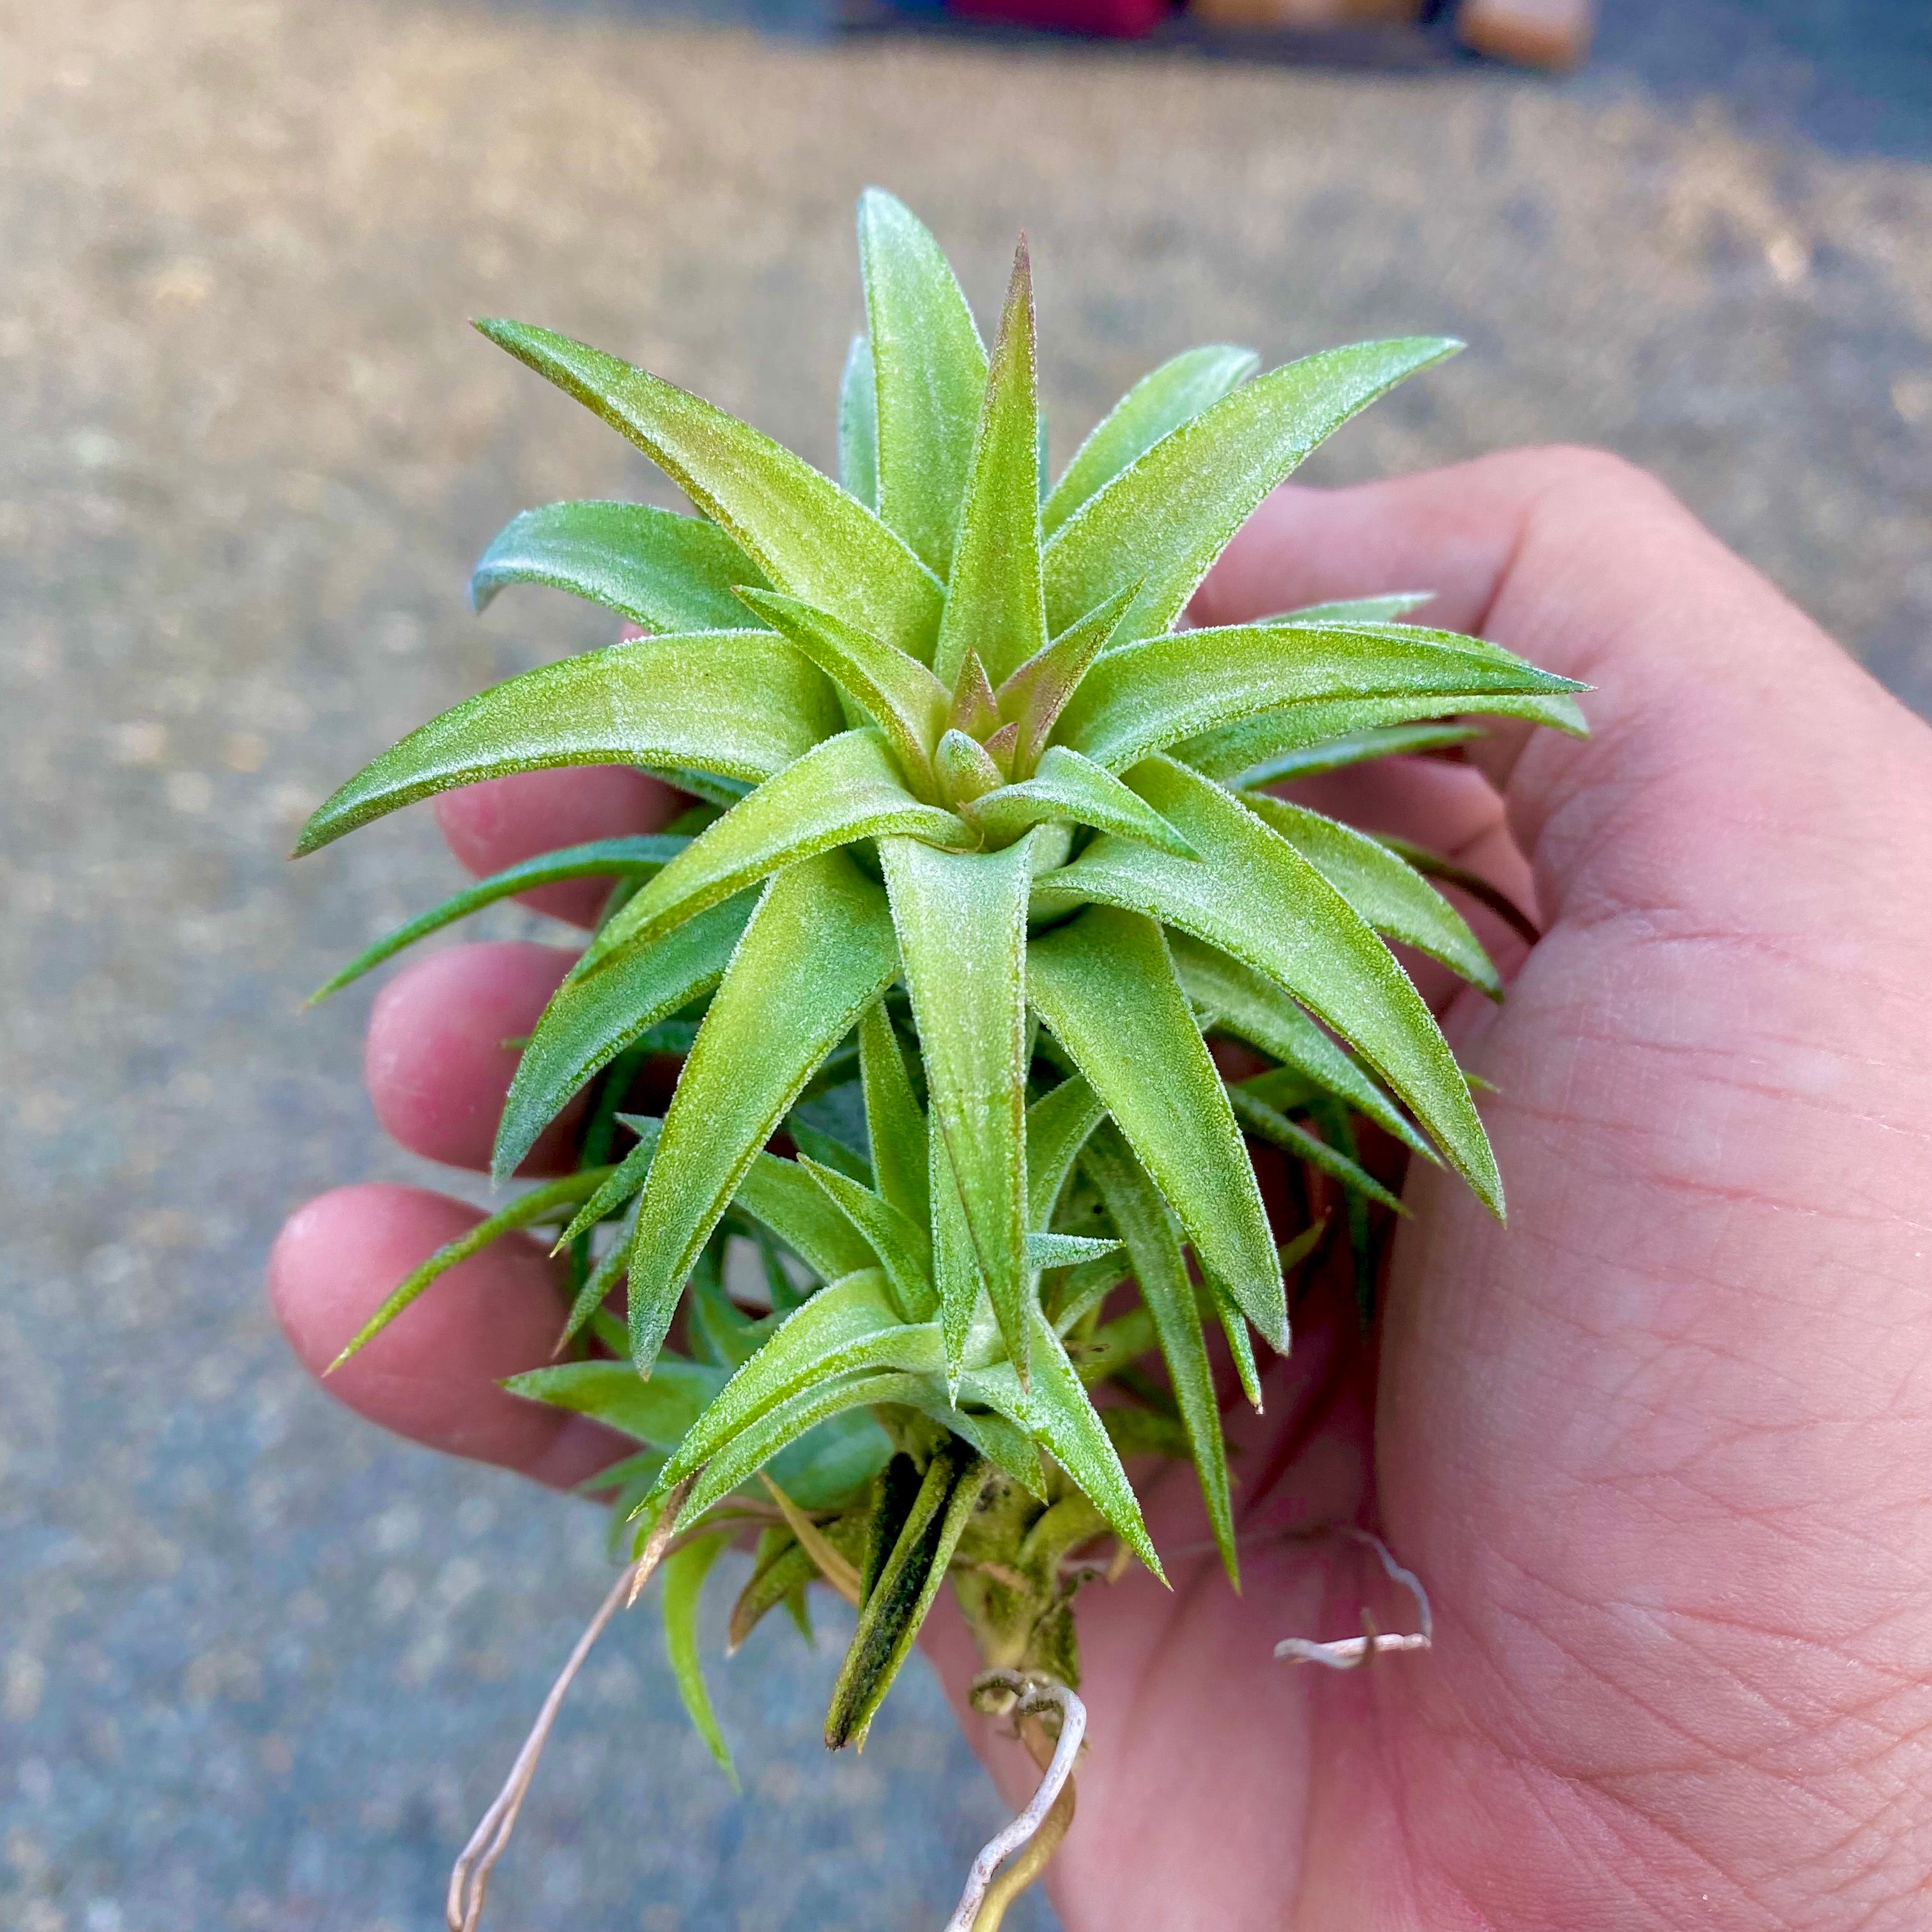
x: 260, y: 1668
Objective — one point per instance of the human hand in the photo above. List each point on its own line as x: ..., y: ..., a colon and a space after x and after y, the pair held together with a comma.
x: 1658, y: 1450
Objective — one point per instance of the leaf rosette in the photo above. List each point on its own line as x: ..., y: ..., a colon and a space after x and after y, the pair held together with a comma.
x: 982, y: 866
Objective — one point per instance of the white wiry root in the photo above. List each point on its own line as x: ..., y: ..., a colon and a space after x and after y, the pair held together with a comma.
x: 1033, y: 1695
x: 1351, y: 1653
x: 469, y: 1879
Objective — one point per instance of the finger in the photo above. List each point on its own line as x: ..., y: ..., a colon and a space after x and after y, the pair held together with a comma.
x: 432, y: 1374
x: 436, y: 1058
x: 1719, y: 709
x: 496, y: 822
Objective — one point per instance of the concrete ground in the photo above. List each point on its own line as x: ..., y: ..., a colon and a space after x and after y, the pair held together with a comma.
x: 261, y: 1667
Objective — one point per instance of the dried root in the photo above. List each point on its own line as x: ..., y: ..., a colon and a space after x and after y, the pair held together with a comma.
x: 469, y: 1879
x: 1351, y: 1653
x: 1041, y: 1825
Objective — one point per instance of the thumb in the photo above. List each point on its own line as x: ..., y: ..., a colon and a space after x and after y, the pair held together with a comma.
x: 1722, y: 718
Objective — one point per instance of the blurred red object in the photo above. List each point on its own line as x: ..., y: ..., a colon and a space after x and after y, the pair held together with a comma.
x: 1117, y: 19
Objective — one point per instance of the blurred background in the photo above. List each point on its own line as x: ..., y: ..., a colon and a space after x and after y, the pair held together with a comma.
x: 260, y: 1668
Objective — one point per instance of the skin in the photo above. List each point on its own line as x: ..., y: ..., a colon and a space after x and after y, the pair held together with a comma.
x: 1662, y: 1450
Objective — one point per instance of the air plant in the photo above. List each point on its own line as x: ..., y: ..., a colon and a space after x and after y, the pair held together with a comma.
x: 982, y: 861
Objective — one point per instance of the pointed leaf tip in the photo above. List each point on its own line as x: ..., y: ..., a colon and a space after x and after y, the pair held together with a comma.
x: 1159, y: 403
x: 1169, y: 514
x: 809, y: 537
x: 663, y: 570
x: 994, y: 601
x: 741, y: 703
x: 929, y: 371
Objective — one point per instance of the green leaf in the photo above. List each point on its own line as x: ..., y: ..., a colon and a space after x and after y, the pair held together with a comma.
x: 1086, y: 1287
x: 956, y: 1275
x: 806, y: 534
x: 1158, y: 404
x: 893, y: 1609
x: 817, y: 952
x: 1070, y: 790
x: 829, y: 1148
x: 1055, y: 1409
x: 625, y: 1179
x: 706, y: 786
x: 820, y: 1452
x: 1057, y: 1124
x: 798, y: 1607
x: 895, y: 1126
x: 993, y: 600
x: 1241, y: 1343
x: 1334, y: 1123
x: 1178, y: 686
x: 859, y: 426
x: 1254, y: 896
x: 829, y: 1465
x: 1254, y: 743
x: 590, y: 1021
x: 1109, y: 1353
x: 665, y: 571
x: 587, y: 1310
x: 901, y: 1243
x: 975, y: 711
x: 1294, y: 1253
x: 781, y: 1282
x: 843, y: 790
x: 965, y: 768
x: 1105, y: 987
x: 1352, y: 747
x: 1395, y: 898
x: 685, y: 1571
x: 1139, y: 1431
x: 1385, y: 610
x: 929, y: 373
x: 1257, y: 1117
x: 744, y: 702
x: 960, y: 919
x: 963, y: 1500
x: 622, y: 1475
x: 900, y: 695
x: 1435, y: 866
x: 1282, y: 1087
x: 849, y: 1326
x: 782, y: 1195
x: 635, y: 858
x: 1165, y: 518
x: 1050, y: 1251
x: 781, y: 1566
x: 716, y: 1327
x: 1008, y: 1449
x: 658, y: 1412
x: 533, y: 1206
x: 1251, y: 1007
x: 1161, y: 1270
x: 1033, y: 696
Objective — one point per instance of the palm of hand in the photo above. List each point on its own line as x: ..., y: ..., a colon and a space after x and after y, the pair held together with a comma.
x: 1658, y: 1451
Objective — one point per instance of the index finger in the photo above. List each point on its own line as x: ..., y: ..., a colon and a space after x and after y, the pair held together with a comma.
x: 499, y: 821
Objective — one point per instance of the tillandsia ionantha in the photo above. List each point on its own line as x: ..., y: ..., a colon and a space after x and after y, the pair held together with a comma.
x: 982, y: 861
